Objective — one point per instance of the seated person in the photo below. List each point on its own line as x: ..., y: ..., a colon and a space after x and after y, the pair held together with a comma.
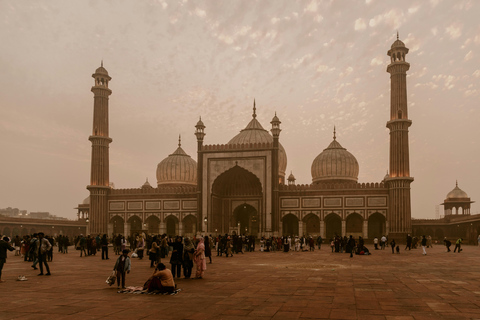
x: 161, y: 280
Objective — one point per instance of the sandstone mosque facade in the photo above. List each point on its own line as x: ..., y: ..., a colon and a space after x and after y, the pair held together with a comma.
x: 242, y: 186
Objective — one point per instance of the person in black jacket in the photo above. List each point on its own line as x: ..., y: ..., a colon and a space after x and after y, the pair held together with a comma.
x: 4, y: 246
x: 351, y: 245
x: 176, y: 259
x: 104, y: 243
x: 448, y: 243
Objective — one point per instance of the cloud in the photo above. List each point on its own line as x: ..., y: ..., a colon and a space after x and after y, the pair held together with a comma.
x: 469, y: 55
x: 434, y: 31
x: 454, y: 30
x: 312, y: 7
x: 476, y: 74
x: 360, y: 24
x: 318, y: 18
x: 413, y: 10
x: 377, y: 61
x: 200, y: 13
x: 393, y: 18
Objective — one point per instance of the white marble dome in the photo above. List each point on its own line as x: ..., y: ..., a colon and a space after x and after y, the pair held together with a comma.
x: 456, y: 193
x: 335, y: 164
x: 177, y: 169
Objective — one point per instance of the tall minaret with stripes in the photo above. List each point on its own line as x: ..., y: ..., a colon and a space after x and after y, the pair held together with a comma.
x: 399, y: 214
x: 99, y: 178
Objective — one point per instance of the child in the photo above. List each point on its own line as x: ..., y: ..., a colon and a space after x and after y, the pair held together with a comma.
x: 121, y: 266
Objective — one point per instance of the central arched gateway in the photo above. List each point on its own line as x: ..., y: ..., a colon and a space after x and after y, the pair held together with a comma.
x: 236, y: 200
x: 247, y: 219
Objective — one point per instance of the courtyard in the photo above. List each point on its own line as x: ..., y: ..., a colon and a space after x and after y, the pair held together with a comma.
x: 257, y: 285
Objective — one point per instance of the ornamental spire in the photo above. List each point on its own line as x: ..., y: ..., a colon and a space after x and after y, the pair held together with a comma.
x: 254, y: 115
x: 179, y: 140
x: 397, y: 35
x: 334, y: 133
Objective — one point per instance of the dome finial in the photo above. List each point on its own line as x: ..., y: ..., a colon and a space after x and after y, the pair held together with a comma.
x: 254, y: 115
x: 397, y: 35
x: 456, y: 183
x: 179, y: 140
x: 334, y: 133
x: 101, y: 64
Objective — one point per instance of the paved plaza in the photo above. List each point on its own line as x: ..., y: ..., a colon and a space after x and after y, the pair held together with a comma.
x: 258, y: 285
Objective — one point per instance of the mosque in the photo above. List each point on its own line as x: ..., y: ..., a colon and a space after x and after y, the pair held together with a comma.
x: 241, y: 186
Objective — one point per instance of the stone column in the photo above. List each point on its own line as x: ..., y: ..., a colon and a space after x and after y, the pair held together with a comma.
x: 300, y: 228
x: 162, y: 227
x: 180, y: 228
x: 365, y: 229
x: 344, y: 228
x: 322, y: 229
x: 126, y: 229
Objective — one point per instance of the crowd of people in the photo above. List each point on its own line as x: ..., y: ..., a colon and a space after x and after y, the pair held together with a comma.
x: 184, y: 253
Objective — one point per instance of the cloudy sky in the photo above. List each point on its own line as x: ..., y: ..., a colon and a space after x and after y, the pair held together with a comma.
x: 316, y: 63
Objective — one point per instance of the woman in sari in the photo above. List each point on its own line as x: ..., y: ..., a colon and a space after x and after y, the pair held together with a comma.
x: 199, y: 258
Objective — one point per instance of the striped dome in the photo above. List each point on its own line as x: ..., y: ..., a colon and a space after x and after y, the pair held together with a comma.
x: 177, y: 169
x: 335, y: 164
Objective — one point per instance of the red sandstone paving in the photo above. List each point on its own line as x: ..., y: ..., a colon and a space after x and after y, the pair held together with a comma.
x: 259, y: 285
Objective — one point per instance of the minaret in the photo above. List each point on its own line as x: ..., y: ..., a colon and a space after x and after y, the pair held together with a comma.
x: 200, y: 133
x: 275, y: 178
x: 99, y: 178
x: 399, y: 212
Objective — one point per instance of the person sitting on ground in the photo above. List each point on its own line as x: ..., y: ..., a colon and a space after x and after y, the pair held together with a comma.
x: 161, y: 280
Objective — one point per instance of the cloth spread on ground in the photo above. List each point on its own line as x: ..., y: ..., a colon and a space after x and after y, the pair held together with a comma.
x: 140, y: 290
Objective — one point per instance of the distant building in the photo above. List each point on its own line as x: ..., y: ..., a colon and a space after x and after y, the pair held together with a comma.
x: 39, y: 215
x: 12, y: 212
x: 240, y: 186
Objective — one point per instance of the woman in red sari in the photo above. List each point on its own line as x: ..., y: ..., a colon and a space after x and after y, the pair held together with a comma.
x: 199, y: 258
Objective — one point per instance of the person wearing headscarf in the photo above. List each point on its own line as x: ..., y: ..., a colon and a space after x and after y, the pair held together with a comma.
x: 208, y: 251
x: 188, y: 251
x: 199, y: 258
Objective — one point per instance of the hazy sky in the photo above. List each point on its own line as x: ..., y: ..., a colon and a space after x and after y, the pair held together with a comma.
x: 316, y: 63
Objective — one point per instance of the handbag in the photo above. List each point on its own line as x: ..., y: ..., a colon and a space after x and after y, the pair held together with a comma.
x: 111, y: 278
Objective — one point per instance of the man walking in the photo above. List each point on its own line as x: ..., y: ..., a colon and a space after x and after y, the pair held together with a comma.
x: 4, y: 246
x: 447, y: 244
x: 424, y: 245
x: 458, y: 245
x: 43, y: 247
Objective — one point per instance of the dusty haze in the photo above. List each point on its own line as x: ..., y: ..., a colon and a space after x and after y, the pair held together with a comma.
x: 317, y: 64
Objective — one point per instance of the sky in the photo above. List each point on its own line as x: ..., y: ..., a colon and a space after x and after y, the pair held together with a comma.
x: 317, y: 64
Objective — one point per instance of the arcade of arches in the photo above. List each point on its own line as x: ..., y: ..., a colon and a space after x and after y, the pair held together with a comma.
x: 333, y: 225
x: 154, y: 225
